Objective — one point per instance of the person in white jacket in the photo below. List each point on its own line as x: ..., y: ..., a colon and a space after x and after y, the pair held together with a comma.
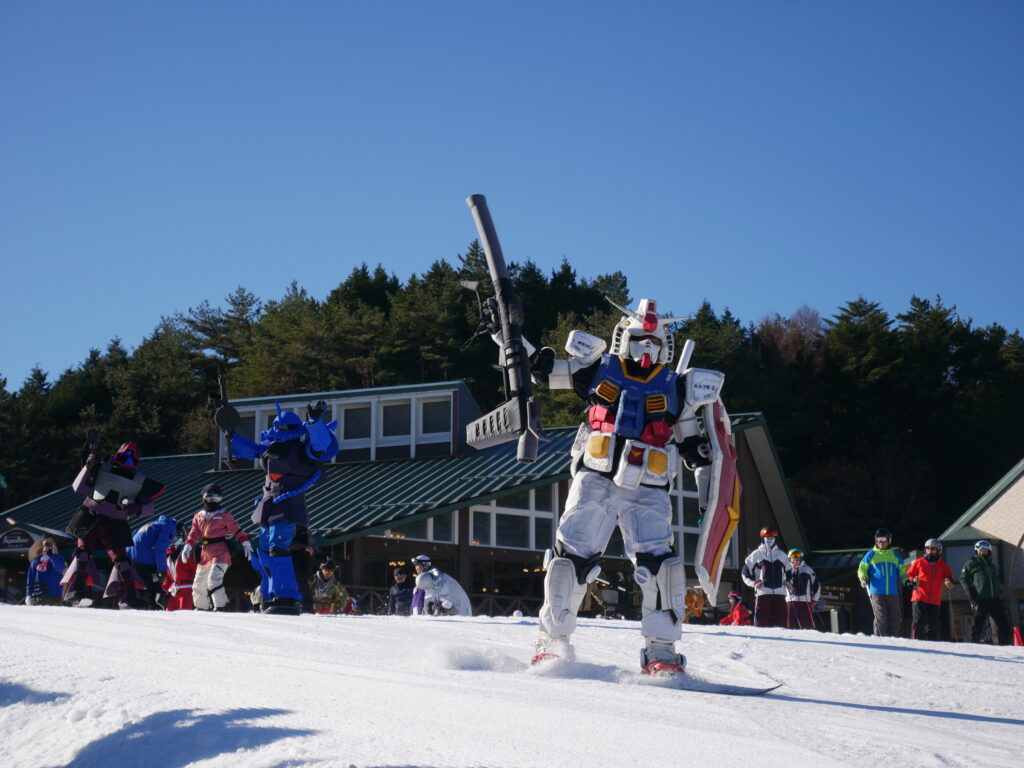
x: 768, y: 571
x: 442, y: 595
x: 805, y: 591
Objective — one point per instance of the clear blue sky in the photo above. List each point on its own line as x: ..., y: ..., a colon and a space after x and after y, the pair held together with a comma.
x: 762, y: 155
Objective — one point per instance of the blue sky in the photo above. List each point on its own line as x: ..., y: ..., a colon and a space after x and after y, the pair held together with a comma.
x: 762, y: 155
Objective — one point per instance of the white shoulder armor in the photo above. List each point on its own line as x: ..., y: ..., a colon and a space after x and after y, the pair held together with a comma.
x: 584, y: 349
x: 703, y: 387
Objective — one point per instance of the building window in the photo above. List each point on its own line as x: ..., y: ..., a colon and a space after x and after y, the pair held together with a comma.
x: 522, y: 520
x: 436, y: 417
x: 440, y: 528
x: 356, y: 423
x: 395, y: 420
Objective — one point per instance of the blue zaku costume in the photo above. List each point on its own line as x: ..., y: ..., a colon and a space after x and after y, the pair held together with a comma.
x: 288, y: 453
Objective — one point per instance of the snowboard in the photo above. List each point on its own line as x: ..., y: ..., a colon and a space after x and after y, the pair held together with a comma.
x: 687, y: 682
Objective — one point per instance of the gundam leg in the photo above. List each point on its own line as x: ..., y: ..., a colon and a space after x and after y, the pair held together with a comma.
x: 275, y: 543
x: 583, y: 534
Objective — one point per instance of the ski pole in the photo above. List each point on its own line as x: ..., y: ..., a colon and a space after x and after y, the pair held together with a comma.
x: 952, y: 617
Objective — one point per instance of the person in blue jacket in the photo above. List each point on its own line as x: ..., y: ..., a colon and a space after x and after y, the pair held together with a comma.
x: 44, y: 575
x: 289, y: 452
x: 881, y: 572
x: 149, y: 551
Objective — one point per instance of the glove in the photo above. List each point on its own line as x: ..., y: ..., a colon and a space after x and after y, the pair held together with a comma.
x: 910, y: 584
x: 186, y: 553
x: 758, y: 584
x: 314, y: 412
x: 864, y: 584
x: 173, y: 591
x: 949, y: 583
x: 542, y: 362
x: 247, y: 548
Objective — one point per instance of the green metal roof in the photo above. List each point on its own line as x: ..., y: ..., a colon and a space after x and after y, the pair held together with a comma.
x: 359, y: 394
x: 352, y: 499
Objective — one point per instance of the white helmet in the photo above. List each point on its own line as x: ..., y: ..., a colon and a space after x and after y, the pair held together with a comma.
x: 643, y: 335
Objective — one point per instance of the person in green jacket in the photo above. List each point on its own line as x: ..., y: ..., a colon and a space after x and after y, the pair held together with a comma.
x: 881, y: 572
x: 982, y: 580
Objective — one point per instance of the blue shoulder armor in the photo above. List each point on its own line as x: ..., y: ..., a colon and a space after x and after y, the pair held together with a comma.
x: 322, y: 444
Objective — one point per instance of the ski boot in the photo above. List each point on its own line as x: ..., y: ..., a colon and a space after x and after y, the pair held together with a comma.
x: 659, y: 659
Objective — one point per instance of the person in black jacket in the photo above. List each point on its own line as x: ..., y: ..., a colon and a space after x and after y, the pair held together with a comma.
x: 982, y: 579
x: 400, y: 596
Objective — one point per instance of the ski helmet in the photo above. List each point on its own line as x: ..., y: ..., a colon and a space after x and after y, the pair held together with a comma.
x: 983, y: 544
x: 422, y: 560
x: 212, y: 495
x: 734, y: 595
x: 933, y: 544
x: 796, y: 554
x: 768, y: 531
x: 883, y: 533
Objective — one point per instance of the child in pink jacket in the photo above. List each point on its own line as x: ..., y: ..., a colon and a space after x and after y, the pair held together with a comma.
x: 211, y: 527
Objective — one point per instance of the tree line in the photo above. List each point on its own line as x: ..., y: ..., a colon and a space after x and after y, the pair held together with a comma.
x: 899, y: 421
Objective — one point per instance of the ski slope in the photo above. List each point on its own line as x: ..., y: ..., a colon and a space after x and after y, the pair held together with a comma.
x: 104, y: 688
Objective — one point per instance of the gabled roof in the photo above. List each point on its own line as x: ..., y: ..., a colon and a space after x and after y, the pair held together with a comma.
x: 357, y: 499
x: 1010, y: 525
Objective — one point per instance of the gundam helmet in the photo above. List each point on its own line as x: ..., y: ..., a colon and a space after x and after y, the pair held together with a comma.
x: 933, y: 544
x: 212, y: 494
x: 287, y: 426
x: 642, y: 335
x: 127, y: 456
x: 768, y: 532
x: 983, y: 544
x: 423, y: 560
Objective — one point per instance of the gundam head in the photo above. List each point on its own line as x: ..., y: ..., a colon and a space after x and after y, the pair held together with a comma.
x: 287, y: 426
x: 642, y: 335
x: 127, y: 456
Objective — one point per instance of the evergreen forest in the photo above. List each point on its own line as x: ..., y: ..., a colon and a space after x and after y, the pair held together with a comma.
x: 899, y: 421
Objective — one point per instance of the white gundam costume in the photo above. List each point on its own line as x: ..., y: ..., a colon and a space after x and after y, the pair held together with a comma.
x: 442, y: 595
x: 642, y: 416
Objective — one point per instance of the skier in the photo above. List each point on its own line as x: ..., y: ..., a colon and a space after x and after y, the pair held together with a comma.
x: 115, y: 490
x: 881, y: 571
x: 982, y: 580
x: 768, y: 571
x: 926, y: 576
x: 180, y: 574
x: 641, y: 415
x: 803, y: 591
x: 400, y: 594
x: 740, y: 614
x: 437, y: 593
x: 46, y: 567
x: 329, y: 596
x: 289, y: 453
x: 208, y: 535
x: 148, y: 551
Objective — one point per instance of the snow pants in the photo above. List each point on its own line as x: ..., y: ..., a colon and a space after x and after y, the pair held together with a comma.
x: 800, y: 615
x: 887, y: 615
x: 770, y: 611
x: 924, y: 621
x: 991, y: 607
x: 208, y: 587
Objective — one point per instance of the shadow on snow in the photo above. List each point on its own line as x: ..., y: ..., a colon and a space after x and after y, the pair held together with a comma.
x: 900, y: 710
x: 15, y: 693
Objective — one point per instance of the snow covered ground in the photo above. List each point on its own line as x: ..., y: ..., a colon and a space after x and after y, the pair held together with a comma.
x: 167, y: 690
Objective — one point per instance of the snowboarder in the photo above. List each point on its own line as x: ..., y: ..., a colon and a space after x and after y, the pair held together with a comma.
x: 926, y: 576
x: 400, y: 594
x: 740, y: 614
x: 641, y: 416
x: 289, y: 453
x: 46, y: 567
x: 982, y: 580
x: 437, y: 593
x: 881, y: 572
x: 803, y: 591
x: 329, y: 596
x: 768, y: 571
x: 211, y: 527
x: 115, y: 490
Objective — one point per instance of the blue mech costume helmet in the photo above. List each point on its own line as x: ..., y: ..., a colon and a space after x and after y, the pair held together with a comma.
x: 287, y: 426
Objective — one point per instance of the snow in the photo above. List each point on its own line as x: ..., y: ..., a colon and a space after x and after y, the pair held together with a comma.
x: 88, y: 687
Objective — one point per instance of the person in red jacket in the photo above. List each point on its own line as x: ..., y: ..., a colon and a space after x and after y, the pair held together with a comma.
x: 739, y: 615
x: 178, y: 581
x: 926, y: 576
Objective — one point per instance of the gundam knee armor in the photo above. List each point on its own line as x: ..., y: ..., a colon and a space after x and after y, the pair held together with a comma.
x: 662, y: 580
x: 565, y: 586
